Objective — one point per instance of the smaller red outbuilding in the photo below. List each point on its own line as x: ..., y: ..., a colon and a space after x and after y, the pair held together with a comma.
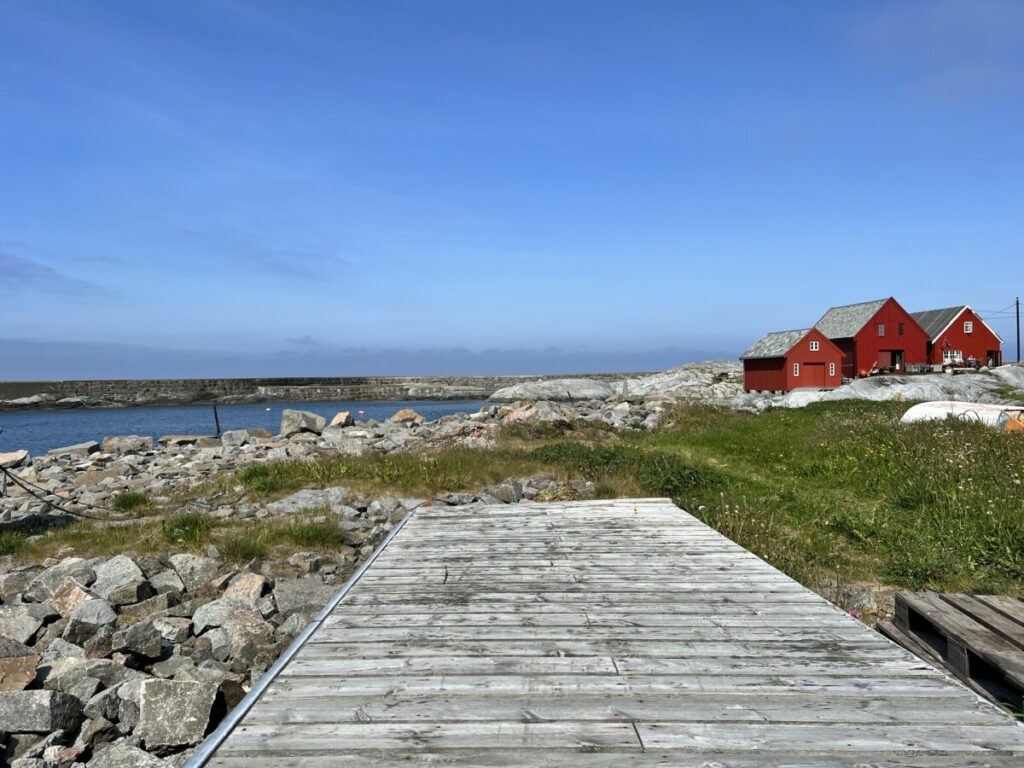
x: 787, y: 360
x: 958, y: 336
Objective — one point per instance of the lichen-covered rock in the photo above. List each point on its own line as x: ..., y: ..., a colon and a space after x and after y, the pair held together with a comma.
x: 12, y: 459
x: 115, y: 574
x: 77, y: 451
x: 302, y: 595
x: 193, y: 570
x: 293, y: 422
x: 245, y: 589
x: 167, y: 582
x: 68, y: 596
x: 87, y: 619
x: 17, y: 666
x: 18, y: 623
x: 119, y: 755
x: 42, y: 587
x: 142, y: 639
x: 407, y: 416
x: 239, y: 437
x: 508, y: 492
x: 309, y: 498
x: 38, y: 711
x: 342, y: 419
x: 173, y: 713
x: 127, y: 444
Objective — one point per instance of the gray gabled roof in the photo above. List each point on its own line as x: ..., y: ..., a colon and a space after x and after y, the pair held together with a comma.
x: 935, y: 321
x: 845, y: 322
x: 775, y: 344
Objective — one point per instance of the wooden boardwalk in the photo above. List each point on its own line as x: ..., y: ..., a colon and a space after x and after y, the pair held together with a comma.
x: 602, y: 634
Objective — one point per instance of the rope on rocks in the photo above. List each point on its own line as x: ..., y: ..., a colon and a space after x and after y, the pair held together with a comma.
x: 34, y: 490
x: 112, y: 515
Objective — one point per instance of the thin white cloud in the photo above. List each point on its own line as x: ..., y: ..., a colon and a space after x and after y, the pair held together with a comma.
x: 19, y: 274
x: 951, y: 51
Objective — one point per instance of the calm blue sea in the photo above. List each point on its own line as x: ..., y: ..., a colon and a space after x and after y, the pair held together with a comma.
x: 41, y: 431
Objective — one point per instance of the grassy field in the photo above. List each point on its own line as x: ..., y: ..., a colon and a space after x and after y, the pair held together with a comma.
x: 838, y: 490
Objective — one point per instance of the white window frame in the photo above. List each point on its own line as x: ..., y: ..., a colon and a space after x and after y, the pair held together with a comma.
x: 881, y: 330
x: 968, y: 326
x: 831, y: 369
x: 815, y: 346
x: 796, y: 370
x: 952, y: 356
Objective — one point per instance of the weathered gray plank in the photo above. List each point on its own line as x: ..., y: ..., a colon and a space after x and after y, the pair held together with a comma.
x: 695, y: 707
x: 336, y: 737
x: 555, y: 758
x: 645, y: 598
x: 858, y: 649
x: 666, y: 634
x: 832, y: 737
x: 514, y: 685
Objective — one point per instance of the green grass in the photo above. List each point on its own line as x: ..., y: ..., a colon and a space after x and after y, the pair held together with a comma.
x: 314, y: 534
x: 11, y: 542
x: 190, y: 529
x: 132, y: 503
x: 240, y: 545
x: 845, y: 488
x: 407, y: 473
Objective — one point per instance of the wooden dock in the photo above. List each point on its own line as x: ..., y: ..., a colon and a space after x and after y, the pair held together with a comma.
x: 602, y: 634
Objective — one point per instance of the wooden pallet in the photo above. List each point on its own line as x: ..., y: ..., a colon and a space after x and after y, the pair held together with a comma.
x: 979, y: 638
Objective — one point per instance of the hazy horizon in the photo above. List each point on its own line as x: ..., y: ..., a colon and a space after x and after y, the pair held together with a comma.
x: 48, y: 361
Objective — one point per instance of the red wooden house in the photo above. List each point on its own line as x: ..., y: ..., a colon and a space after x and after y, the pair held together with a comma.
x: 957, y: 335
x: 786, y: 360
x: 875, y: 335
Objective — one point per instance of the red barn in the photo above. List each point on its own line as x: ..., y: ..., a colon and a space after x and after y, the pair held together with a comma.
x: 958, y: 334
x: 875, y: 334
x: 786, y: 360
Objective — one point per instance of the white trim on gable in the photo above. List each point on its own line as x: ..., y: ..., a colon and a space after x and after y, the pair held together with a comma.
x: 961, y: 314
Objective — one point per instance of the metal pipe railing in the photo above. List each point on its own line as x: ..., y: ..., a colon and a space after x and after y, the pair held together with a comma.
x: 212, y: 742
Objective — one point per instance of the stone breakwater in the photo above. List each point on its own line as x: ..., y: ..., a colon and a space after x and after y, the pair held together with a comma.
x: 24, y: 395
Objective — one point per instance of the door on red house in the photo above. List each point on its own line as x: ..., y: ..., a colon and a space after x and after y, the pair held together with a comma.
x: 814, y: 375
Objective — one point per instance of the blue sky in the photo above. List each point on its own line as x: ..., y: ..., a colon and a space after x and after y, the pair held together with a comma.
x: 217, y: 188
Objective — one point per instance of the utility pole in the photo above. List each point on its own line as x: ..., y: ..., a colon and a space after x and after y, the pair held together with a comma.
x: 1018, y: 329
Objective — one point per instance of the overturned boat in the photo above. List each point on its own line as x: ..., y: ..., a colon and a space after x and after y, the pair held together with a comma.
x: 1005, y: 418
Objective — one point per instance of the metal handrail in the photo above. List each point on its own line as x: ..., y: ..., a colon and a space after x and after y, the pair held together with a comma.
x: 212, y: 742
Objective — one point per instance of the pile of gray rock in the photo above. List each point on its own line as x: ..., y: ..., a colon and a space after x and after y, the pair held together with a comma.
x: 141, y: 653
